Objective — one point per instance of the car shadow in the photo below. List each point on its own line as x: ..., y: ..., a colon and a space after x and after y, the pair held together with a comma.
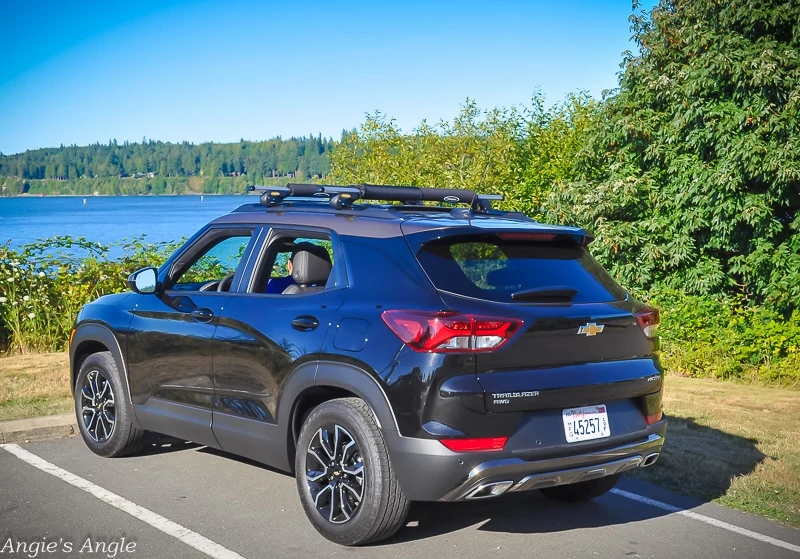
x: 242, y: 460
x: 701, y: 461
x: 155, y: 443
x: 527, y: 512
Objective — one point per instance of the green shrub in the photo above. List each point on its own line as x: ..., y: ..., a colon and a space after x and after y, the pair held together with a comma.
x: 44, y: 284
x: 723, y: 337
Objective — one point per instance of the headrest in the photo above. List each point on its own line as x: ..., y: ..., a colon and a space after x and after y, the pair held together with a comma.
x: 310, y: 247
x: 309, y: 268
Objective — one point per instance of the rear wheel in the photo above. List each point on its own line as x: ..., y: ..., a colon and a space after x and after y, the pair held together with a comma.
x: 104, y: 416
x: 345, y: 479
x: 583, y: 491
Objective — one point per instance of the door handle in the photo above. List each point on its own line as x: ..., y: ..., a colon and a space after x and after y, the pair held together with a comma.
x: 305, y: 323
x: 203, y: 315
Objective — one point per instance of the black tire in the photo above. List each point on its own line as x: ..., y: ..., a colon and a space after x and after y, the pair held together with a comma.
x: 105, y: 424
x: 381, y: 509
x: 583, y: 491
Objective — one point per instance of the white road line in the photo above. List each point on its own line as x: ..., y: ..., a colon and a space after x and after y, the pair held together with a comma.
x: 707, y: 520
x: 193, y: 539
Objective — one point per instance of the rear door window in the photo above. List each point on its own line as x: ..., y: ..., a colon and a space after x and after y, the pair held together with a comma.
x: 516, y: 270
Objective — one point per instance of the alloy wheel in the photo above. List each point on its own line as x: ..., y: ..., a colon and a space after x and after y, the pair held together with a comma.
x: 335, y: 473
x: 98, y: 407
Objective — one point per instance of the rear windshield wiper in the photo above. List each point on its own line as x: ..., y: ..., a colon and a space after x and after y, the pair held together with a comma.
x: 555, y: 294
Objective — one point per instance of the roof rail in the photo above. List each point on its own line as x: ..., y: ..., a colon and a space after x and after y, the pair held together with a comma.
x: 344, y: 196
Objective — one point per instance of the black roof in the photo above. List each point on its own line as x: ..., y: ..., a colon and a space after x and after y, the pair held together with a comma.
x: 383, y: 221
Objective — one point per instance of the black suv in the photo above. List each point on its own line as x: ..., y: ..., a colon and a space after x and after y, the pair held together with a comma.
x: 384, y: 353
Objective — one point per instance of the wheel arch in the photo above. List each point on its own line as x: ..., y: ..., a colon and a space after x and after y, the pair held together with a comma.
x: 94, y: 338
x: 330, y: 380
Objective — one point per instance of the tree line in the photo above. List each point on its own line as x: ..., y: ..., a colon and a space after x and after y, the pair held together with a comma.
x: 304, y: 157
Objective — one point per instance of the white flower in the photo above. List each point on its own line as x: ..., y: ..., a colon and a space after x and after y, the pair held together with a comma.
x: 10, y: 279
x: 3, y: 299
x: 31, y: 315
x: 26, y: 298
x: 41, y: 274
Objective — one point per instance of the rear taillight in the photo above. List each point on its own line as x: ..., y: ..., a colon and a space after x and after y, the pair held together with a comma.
x: 449, y: 331
x: 654, y: 418
x: 475, y: 445
x: 649, y: 320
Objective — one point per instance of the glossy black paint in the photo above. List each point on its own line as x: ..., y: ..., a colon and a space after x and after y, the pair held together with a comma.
x: 237, y: 370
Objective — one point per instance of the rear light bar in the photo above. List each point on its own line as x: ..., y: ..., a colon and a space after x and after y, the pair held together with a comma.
x: 450, y: 331
x: 649, y: 320
x: 540, y: 237
x: 654, y: 418
x: 475, y: 445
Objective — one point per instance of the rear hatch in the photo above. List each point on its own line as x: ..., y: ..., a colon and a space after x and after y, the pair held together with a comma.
x: 578, y: 341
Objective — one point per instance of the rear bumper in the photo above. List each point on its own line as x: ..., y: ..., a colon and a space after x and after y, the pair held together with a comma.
x: 427, y: 471
x: 494, y: 477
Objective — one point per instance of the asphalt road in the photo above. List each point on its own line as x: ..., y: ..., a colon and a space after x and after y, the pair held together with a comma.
x: 231, y: 507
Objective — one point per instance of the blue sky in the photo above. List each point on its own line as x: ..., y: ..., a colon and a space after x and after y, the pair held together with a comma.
x: 86, y: 71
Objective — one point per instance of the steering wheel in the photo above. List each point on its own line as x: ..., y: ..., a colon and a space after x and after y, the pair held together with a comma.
x: 225, y: 283
x: 209, y: 285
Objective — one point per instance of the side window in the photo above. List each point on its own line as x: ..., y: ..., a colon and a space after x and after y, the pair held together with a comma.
x: 296, y: 265
x: 215, y: 265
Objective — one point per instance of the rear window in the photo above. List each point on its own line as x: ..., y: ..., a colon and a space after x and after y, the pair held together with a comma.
x: 519, y: 271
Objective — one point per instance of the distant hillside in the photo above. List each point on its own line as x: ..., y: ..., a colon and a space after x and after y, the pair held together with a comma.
x: 159, y: 163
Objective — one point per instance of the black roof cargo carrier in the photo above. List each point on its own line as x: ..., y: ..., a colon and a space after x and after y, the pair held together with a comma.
x: 344, y: 196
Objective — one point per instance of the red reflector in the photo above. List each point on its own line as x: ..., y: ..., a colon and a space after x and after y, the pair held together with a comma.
x: 475, y: 445
x: 542, y: 237
x: 648, y: 319
x: 656, y: 417
x: 449, y: 331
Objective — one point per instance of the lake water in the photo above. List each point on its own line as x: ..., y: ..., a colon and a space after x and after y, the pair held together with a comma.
x: 108, y: 219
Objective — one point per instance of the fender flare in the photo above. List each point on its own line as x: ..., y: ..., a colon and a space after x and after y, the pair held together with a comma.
x: 100, y: 333
x: 363, y: 384
x: 336, y: 374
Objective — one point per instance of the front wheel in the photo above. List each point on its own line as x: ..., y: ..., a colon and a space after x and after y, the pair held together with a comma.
x: 104, y: 416
x: 582, y: 491
x: 344, y: 476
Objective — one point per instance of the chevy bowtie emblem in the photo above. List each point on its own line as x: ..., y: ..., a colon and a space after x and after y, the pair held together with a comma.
x: 591, y: 329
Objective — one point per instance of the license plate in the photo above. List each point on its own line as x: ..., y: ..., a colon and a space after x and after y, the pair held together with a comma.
x: 585, y: 424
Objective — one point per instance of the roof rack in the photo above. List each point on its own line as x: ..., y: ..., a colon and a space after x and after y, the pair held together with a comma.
x: 341, y: 197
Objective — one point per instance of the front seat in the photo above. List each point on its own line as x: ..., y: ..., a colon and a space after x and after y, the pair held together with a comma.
x: 309, y: 271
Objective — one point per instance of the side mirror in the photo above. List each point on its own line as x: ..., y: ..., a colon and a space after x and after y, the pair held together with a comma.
x: 143, y: 281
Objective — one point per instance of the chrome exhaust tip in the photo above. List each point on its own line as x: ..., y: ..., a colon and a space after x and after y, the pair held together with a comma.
x: 486, y: 490
x: 650, y: 459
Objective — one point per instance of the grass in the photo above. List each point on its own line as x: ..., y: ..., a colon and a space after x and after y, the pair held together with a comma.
x: 736, y: 444
x: 34, y: 385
